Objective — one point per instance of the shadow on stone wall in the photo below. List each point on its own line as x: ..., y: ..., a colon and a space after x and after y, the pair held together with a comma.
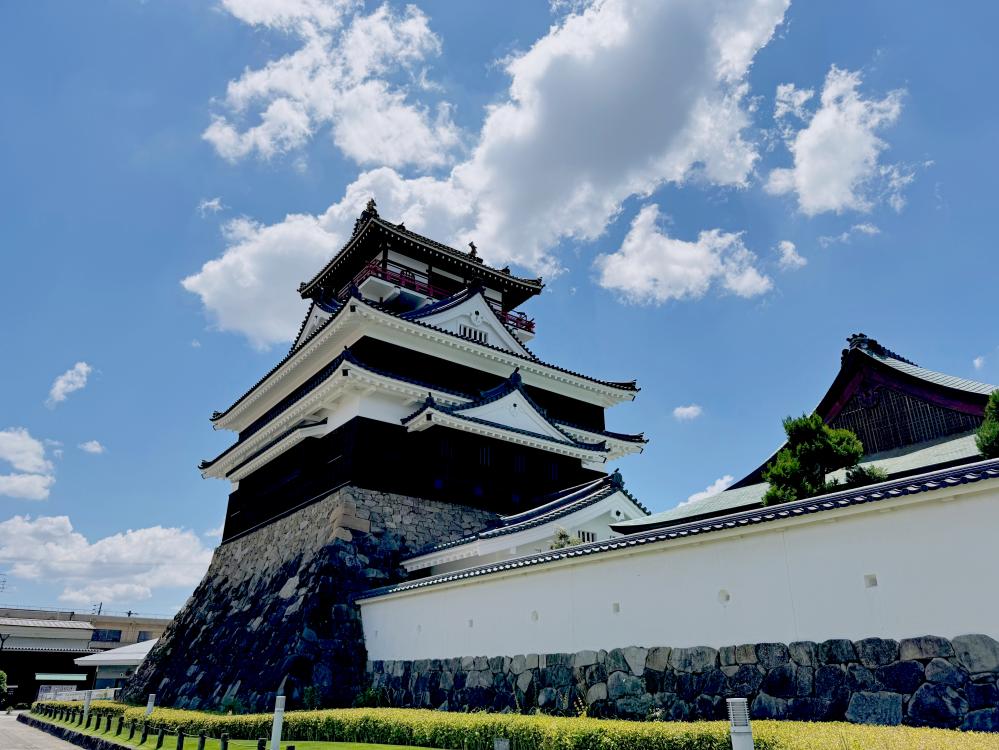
x: 925, y: 681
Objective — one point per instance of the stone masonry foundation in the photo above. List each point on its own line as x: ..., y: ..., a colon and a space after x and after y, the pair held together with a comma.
x: 926, y: 681
x: 276, y: 607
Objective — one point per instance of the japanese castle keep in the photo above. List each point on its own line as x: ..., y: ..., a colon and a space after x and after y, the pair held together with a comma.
x: 399, y: 477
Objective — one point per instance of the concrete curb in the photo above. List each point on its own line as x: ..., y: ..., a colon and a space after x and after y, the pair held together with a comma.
x: 65, y: 733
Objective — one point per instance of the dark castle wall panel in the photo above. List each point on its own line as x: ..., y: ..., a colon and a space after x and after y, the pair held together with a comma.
x: 438, y: 464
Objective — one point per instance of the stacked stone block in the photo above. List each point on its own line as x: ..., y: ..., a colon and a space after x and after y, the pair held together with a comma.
x: 926, y: 681
x: 276, y: 608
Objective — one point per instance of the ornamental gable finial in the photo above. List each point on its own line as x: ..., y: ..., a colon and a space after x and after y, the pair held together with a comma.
x: 370, y: 211
x: 474, y: 252
x: 865, y: 343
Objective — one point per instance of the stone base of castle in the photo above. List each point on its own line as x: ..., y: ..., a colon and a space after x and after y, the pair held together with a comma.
x: 276, y: 607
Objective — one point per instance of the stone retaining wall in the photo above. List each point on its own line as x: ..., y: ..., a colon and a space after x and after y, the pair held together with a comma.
x: 925, y: 681
x: 277, y: 605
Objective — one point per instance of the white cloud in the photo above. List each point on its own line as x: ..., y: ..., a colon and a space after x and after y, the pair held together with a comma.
x: 26, y: 486
x: 716, y: 487
x: 92, y: 446
x: 652, y: 268
x: 32, y: 475
x: 210, y: 206
x: 789, y: 259
x: 687, y: 413
x: 614, y: 101
x: 836, y: 154
x: 73, y: 379
x: 215, y: 533
x: 118, y: 568
x: 844, y: 238
x: 978, y: 362
x: 337, y: 78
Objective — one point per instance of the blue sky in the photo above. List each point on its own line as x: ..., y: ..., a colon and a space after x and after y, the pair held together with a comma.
x: 649, y: 158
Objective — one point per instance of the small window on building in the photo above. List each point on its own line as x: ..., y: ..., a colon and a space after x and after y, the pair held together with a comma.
x: 473, y: 333
x: 485, y: 455
x: 145, y: 635
x: 102, y: 635
x: 587, y: 536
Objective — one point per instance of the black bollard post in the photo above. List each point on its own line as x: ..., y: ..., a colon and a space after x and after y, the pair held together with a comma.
x: 224, y: 742
x: 180, y: 740
x: 131, y: 730
x: 145, y: 733
x: 201, y: 741
x: 107, y: 724
x: 262, y: 744
x: 90, y: 718
x: 121, y: 726
x: 160, y: 736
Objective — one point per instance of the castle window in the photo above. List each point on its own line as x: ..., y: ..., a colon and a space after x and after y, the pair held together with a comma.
x: 587, y: 536
x: 473, y: 333
x: 485, y: 455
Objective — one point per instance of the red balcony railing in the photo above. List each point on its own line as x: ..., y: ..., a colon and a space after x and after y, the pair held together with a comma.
x: 420, y: 282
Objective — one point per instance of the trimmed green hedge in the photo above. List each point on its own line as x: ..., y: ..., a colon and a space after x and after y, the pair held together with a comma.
x: 475, y: 731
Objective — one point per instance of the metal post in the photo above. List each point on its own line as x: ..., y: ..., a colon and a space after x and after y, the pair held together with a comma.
x: 738, y: 723
x: 151, y: 703
x: 131, y: 730
x: 278, y: 722
x: 262, y: 743
x: 159, y: 737
x: 86, y: 722
x: 121, y: 726
x: 86, y: 706
x: 180, y: 740
x: 201, y: 741
x: 107, y: 724
x: 145, y: 733
x: 224, y: 742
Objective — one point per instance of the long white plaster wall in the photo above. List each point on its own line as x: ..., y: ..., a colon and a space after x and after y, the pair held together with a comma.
x: 934, y: 555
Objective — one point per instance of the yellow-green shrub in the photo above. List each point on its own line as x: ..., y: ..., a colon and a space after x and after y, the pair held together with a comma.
x: 97, y: 708
x: 475, y: 731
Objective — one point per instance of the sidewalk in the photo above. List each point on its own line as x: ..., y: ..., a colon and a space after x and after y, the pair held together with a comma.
x: 17, y: 736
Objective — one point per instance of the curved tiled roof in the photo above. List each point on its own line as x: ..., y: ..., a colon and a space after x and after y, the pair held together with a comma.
x: 508, y: 386
x: 630, y: 386
x: 881, y: 492
x: 371, y: 219
x: 559, y: 504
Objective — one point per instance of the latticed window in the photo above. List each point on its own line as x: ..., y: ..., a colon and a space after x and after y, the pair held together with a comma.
x: 884, y: 419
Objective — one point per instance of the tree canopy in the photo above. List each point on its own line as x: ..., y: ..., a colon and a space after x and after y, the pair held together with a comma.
x: 987, y: 438
x: 813, y: 450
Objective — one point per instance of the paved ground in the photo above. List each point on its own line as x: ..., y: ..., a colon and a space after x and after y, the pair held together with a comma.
x: 17, y: 736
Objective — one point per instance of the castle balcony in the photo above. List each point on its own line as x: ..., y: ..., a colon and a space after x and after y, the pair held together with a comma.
x: 388, y: 282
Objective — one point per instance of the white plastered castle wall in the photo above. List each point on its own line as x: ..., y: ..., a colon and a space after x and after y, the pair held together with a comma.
x: 933, y: 556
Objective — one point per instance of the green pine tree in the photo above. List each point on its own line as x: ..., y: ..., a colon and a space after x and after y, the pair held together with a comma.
x: 563, y: 539
x: 987, y: 438
x: 814, y: 449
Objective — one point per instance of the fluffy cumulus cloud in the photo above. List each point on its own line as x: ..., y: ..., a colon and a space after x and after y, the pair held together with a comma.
x: 344, y: 76
x: 652, y: 268
x: 719, y: 485
x: 124, y: 567
x: 788, y: 257
x: 617, y: 99
x: 687, y: 413
x: 74, y: 379
x: 92, y: 446
x: 978, y: 362
x: 837, y: 148
x: 31, y: 473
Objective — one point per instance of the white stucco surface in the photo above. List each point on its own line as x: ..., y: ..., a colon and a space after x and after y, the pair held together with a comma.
x: 933, y: 556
